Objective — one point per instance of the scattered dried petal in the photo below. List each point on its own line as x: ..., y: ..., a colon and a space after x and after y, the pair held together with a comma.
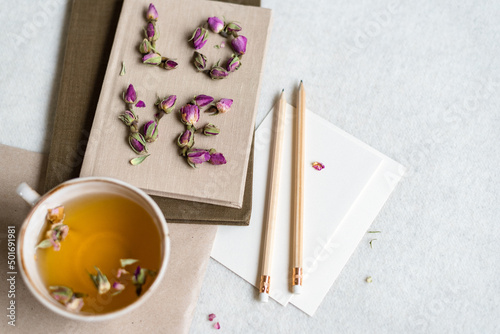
x: 126, y: 262
x: 318, y: 165
x: 374, y: 232
x: 371, y: 245
x: 118, y: 286
x: 140, y: 104
x: 211, y: 316
x: 122, y: 72
x: 217, y: 325
x: 369, y: 279
x: 138, y: 160
x: 222, y: 44
x: 121, y: 272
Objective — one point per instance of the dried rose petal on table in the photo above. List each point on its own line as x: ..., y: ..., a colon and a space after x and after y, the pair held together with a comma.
x: 318, y: 165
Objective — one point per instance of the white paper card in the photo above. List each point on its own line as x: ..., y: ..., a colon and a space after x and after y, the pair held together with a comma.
x: 330, y: 198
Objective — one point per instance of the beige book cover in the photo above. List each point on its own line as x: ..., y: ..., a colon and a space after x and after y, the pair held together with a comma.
x: 164, y: 172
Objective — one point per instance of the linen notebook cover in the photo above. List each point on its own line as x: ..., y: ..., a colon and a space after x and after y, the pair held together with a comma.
x: 164, y: 173
x: 88, y: 46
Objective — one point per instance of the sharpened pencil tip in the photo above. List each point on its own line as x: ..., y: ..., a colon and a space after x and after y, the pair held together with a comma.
x: 283, y: 90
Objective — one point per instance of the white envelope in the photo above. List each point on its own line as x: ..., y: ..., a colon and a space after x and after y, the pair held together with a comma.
x: 343, y: 198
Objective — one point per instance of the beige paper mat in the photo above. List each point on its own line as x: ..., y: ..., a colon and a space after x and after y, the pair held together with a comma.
x: 170, y: 310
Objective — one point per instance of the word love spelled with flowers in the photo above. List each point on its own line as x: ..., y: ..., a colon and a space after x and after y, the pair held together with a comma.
x: 189, y: 115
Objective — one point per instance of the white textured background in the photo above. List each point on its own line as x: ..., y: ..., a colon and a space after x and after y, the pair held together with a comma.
x: 418, y: 81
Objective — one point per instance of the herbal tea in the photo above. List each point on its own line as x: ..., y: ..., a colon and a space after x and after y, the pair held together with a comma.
x: 99, y: 253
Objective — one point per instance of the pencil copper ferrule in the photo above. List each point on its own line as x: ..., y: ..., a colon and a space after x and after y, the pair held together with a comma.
x: 297, y: 276
x: 265, y: 282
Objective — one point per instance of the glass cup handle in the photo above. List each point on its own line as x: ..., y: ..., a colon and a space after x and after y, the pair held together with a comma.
x: 27, y: 193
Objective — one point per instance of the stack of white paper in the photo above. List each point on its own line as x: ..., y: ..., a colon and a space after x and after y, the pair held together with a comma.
x: 341, y: 201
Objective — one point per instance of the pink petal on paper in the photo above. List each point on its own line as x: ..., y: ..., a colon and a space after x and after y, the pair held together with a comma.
x: 216, y: 325
x: 211, y: 316
x: 318, y: 165
x: 140, y: 104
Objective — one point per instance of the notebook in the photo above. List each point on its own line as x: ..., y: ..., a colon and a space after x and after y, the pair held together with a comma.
x: 165, y: 173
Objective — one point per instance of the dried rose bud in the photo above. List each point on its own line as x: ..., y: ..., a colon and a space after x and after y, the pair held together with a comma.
x: 62, y: 294
x: 130, y: 96
x: 152, y: 33
x: 167, y: 104
x: 139, y: 278
x: 186, y: 139
x: 152, y: 14
x: 233, y: 63
x: 217, y: 158
x: 239, y: 45
x: 210, y: 130
x: 199, y: 38
x: 121, y: 272
x: 145, y: 46
x: 215, y: 24
x: 231, y: 28
x: 190, y: 114
x: 56, y: 214
x: 168, y: 64
x: 223, y: 106
x: 202, y: 100
x: 200, y: 61
x: 137, y: 143
x: 152, y: 59
x: 218, y: 72
x: 150, y: 130
x: 128, y: 117
x: 75, y: 304
x: 100, y: 281
x: 60, y: 232
x: 197, y: 156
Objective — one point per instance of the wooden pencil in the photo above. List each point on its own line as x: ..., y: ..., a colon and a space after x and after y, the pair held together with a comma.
x: 298, y: 192
x: 272, y: 198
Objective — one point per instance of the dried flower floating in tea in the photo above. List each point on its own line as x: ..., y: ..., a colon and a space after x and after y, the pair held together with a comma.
x: 64, y: 295
x: 100, y: 281
x: 57, y: 232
